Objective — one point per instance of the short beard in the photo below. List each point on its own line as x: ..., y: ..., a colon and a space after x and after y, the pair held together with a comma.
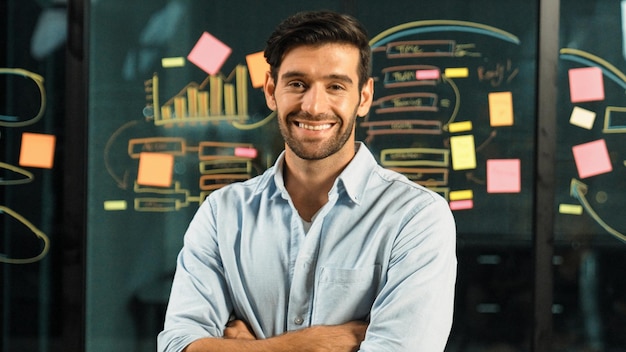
x: 327, y: 149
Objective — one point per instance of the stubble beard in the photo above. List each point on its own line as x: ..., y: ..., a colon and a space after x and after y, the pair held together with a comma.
x: 325, y: 148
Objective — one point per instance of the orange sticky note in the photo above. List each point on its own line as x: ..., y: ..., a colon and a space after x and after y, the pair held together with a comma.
x: 501, y: 109
x: 592, y: 158
x: 155, y: 169
x: 257, y: 67
x: 37, y: 150
x: 209, y: 54
x: 586, y: 84
x: 504, y: 176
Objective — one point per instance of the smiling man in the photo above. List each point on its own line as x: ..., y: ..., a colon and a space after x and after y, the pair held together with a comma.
x: 326, y: 250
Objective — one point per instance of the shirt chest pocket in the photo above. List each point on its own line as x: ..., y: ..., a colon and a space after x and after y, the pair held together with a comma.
x: 343, y: 295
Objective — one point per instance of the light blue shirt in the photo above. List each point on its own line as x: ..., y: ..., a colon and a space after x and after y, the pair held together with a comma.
x: 383, y: 249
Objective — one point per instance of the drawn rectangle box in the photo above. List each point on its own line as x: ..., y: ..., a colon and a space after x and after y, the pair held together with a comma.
x: 425, y: 176
x: 219, y: 150
x: 421, y: 48
x: 614, y: 120
x: 173, y: 188
x: 169, y: 145
x: 403, y: 127
x: 415, y: 157
x: 226, y: 166
x: 212, y: 182
x: 156, y: 204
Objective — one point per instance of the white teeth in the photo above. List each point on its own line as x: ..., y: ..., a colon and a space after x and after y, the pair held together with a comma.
x: 314, y: 128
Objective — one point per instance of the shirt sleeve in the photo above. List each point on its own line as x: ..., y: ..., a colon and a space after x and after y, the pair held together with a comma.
x: 199, y: 305
x: 414, y: 309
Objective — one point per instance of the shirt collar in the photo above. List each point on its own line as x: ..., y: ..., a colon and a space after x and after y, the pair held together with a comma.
x: 356, y: 175
x: 353, y: 178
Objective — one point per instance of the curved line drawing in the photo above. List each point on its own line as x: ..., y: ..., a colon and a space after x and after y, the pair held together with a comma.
x: 252, y: 126
x: 29, y: 177
x: 42, y: 93
x: 121, y: 182
x: 457, y: 103
x: 578, y: 190
x: 589, y: 59
x: 440, y: 26
x: 36, y: 231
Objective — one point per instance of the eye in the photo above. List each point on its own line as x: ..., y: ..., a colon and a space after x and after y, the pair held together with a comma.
x: 296, y: 85
x: 337, y: 87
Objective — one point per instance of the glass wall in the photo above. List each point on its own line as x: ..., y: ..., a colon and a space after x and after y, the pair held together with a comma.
x: 32, y: 138
x: 168, y: 125
x: 590, y: 229
x: 101, y: 170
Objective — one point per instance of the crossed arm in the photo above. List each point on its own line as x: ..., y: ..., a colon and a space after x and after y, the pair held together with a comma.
x: 238, y: 337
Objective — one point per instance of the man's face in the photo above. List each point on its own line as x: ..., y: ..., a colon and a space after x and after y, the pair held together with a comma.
x: 317, y: 98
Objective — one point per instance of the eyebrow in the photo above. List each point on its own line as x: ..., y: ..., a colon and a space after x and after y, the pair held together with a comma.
x: 332, y: 76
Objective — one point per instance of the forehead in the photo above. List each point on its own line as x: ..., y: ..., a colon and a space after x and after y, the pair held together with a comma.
x: 321, y: 59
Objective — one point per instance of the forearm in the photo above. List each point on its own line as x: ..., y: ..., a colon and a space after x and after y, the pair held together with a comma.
x: 227, y: 345
x: 337, y: 338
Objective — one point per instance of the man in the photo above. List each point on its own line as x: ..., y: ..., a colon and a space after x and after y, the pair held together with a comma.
x: 325, y: 251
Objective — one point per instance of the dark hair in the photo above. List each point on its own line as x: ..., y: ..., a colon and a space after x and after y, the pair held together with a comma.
x: 317, y: 28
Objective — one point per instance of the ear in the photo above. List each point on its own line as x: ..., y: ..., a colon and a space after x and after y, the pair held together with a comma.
x: 268, y: 89
x: 367, y: 94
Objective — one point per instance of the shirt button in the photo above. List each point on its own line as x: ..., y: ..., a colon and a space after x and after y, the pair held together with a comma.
x: 298, y: 320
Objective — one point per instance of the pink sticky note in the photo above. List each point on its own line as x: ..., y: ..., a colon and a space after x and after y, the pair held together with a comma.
x: 37, y: 150
x: 586, y: 84
x: 504, y: 176
x: 155, y: 169
x: 257, y: 67
x: 592, y: 158
x: 461, y: 204
x: 426, y: 74
x: 209, y: 54
x: 245, y: 152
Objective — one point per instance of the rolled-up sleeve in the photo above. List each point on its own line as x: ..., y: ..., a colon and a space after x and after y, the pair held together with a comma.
x: 413, y: 311
x: 199, y: 305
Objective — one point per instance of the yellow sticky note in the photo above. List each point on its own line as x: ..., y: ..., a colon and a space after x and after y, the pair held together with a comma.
x: 169, y: 62
x: 571, y: 209
x: 462, y: 126
x: 37, y: 150
x: 501, y: 109
x: 461, y: 194
x: 456, y: 72
x: 463, y: 152
x: 257, y: 66
x: 113, y: 205
x: 155, y: 169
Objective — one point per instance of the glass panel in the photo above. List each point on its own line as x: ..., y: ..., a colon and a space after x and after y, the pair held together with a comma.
x: 165, y: 130
x: 32, y: 83
x: 590, y: 227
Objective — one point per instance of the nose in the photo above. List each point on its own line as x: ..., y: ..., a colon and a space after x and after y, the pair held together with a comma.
x: 314, y: 100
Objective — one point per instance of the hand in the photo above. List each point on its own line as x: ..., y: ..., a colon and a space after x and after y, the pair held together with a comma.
x: 330, y: 338
x: 239, y: 330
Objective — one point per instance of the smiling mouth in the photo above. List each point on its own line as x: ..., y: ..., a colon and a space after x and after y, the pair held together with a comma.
x: 314, y: 127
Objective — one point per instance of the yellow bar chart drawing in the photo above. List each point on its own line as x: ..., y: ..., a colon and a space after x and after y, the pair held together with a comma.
x: 217, y: 98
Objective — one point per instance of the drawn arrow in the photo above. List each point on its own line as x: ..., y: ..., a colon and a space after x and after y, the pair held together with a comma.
x: 578, y: 190
x: 427, y: 26
x: 589, y: 59
x: 122, y: 182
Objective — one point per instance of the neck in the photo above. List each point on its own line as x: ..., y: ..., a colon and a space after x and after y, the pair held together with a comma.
x: 309, y: 181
